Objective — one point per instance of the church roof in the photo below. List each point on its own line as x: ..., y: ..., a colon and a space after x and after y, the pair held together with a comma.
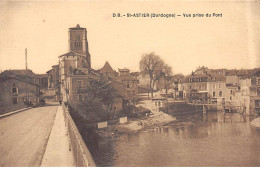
x: 71, y: 53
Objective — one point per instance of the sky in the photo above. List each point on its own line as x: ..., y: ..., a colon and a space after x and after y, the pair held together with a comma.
x: 231, y: 41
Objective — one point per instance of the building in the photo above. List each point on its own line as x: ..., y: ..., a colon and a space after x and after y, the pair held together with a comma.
x: 42, y: 81
x: 76, y: 85
x: 107, y: 72
x: 250, y: 92
x: 53, y: 77
x: 77, y: 57
x: 130, y: 82
x: 77, y: 89
x: 70, y: 61
x: 18, y: 90
x: 78, y: 43
x: 204, y: 85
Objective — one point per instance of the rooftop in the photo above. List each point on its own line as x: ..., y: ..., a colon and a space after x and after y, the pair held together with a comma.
x: 77, y: 28
x: 71, y: 53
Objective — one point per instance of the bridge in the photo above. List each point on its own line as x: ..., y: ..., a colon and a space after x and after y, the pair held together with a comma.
x: 42, y: 136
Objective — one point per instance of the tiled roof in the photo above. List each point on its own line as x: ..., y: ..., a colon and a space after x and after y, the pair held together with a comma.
x: 3, y: 79
x: 71, y: 53
x: 42, y: 75
x: 18, y: 72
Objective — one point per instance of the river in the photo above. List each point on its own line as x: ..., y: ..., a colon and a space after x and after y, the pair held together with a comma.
x: 210, y: 143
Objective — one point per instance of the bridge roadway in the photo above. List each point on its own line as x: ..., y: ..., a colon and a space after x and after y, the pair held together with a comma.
x: 24, y: 136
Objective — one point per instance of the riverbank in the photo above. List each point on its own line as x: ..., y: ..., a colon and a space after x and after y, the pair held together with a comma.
x: 255, y: 123
x: 155, y: 118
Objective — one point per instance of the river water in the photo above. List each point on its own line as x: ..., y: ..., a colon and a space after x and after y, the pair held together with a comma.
x: 232, y: 143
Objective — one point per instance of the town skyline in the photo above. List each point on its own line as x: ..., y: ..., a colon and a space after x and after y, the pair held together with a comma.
x: 184, y: 44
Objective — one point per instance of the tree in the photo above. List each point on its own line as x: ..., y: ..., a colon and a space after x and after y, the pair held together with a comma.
x: 163, y: 71
x: 99, y: 93
x: 152, y: 65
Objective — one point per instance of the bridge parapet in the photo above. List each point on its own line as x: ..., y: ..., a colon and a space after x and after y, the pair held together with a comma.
x: 82, y: 156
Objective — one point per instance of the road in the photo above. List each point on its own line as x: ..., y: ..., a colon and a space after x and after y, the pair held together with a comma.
x: 24, y: 136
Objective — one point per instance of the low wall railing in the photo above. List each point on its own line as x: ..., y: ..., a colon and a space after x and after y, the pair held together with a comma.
x: 82, y: 156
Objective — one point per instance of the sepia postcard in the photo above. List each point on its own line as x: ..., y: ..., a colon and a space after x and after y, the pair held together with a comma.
x: 130, y: 83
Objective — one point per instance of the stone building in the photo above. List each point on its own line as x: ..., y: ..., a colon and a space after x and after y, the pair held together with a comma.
x: 125, y: 83
x: 250, y: 92
x: 53, y: 77
x: 204, y: 85
x: 70, y: 61
x: 78, y: 43
x: 108, y: 72
x: 130, y: 82
x: 42, y: 81
x: 77, y: 57
x: 18, y: 87
x: 77, y: 86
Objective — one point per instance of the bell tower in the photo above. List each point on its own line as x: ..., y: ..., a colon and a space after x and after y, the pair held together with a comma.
x: 78, y: 43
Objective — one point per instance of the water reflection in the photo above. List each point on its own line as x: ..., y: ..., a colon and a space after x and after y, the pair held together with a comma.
x: 212, y: 143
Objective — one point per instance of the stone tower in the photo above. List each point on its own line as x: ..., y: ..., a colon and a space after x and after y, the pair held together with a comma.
x: 78, y: 43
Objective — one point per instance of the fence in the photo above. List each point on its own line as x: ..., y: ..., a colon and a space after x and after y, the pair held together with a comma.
x: 82, y: 156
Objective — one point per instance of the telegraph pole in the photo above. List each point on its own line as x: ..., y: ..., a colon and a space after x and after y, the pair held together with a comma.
x: 26, y: 91
x: 26, y: 58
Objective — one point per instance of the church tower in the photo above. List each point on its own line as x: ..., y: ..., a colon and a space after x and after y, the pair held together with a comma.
x: 78, y: 43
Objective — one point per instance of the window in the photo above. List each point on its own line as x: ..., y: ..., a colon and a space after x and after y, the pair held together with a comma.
x: 230, y: 97
x: 133, y: 92
x: 128, y: 85
x: 214, y: 94
x: 80, y: 98
x: 253, y: 81
x: 220, y: 93
x: 79, y: 84
x: 76, y: 44
x: 78, y: 37
x: 14, y: 90
x: 258, y: 91
x: 15, y: 100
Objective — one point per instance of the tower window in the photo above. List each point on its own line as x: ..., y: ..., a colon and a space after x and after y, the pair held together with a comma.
x: 14, y: 90
x: 79, y: 84
x: 78, y: 37
x: 80, y: 98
